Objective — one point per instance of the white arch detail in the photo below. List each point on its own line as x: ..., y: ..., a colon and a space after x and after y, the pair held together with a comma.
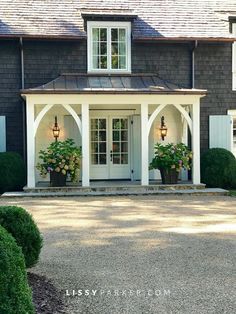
x: 48, y: 107
x: 40, y: 117
x: 186, y: 116
x: 178, y: 107
x: 74, y: 115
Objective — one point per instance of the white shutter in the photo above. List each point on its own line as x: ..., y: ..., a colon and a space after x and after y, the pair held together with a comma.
x: 221, y: 132
x: 234, y: 59
x: 2, y: 133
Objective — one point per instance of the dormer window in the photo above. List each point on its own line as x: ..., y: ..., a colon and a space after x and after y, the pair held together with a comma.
x: 109, y: 47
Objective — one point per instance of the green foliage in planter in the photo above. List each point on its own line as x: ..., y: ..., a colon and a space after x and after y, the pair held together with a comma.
x: 61, y: 156
x: 218, y: 168
x: 12, y: 172
x: 15, y: 294
x: 171, y: 156
x: 20, y: 224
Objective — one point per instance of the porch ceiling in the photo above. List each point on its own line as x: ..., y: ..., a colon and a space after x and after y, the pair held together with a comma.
x: 111, y: 84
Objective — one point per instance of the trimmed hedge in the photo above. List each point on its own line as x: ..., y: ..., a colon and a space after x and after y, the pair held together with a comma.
x: 218, y: 168
x: 15, y: 294
x: 12, y: 172
x: 22, y: 227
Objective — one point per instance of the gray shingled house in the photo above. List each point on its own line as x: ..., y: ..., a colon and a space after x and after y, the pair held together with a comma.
x: 109, y: 70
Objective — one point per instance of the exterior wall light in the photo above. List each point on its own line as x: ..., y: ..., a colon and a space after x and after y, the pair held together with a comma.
x: 56, y: 129
x: 163, y: 129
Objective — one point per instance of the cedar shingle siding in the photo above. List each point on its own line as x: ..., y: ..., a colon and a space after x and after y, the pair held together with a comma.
x: 45, y: 60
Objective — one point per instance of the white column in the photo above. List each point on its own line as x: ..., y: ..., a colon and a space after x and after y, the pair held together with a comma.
x: 144, y: 145
x: 85, y: 144
x: 196, y: 142
x: 30, y: 144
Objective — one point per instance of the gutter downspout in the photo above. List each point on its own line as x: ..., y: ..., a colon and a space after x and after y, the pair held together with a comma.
x: 193, y: 64
x: 23, y: 102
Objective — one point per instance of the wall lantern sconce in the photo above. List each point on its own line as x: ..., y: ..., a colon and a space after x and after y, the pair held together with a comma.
x: 56, y: 129
x: 163, y: 128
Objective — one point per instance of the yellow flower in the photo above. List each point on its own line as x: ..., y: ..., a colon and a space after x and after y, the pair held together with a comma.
x: 57, y: 169
x: 66, y: 167
x: 63, y: 171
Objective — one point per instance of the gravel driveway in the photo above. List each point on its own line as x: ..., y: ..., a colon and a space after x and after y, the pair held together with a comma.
x: 139, y: 254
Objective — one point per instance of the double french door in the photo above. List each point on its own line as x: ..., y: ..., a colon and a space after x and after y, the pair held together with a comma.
x: 110, y: 148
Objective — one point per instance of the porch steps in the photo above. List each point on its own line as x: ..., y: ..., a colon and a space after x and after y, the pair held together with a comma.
x: 113, y: 190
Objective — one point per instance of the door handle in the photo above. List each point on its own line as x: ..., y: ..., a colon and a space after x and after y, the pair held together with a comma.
x: 111, y: 155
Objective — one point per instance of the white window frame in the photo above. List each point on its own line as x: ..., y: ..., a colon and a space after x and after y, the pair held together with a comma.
x: 108, y: 25
x: 234, y: 58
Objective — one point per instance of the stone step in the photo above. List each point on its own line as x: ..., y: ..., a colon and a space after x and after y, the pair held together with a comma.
x: 116, y: 188
x: 116, y: 192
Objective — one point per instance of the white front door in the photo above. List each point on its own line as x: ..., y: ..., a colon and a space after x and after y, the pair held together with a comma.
x: 110, y: 147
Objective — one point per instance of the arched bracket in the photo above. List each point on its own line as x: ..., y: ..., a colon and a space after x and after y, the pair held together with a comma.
x: 178, y: 107
x: 48, y: 107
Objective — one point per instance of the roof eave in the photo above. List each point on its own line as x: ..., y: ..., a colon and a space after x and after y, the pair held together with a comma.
x: 109, y: 92
x: 184, y: 39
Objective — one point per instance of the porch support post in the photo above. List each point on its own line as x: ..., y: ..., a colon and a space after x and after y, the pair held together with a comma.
x: 196, y: 142
x: 144, y: 144
x: 30, y: 145
x: 85, y: 144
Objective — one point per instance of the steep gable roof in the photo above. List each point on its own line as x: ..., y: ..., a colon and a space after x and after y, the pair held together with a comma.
x: 156, y: 19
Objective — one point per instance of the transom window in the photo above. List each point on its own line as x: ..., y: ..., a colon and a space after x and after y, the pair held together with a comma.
x: 108, y: 47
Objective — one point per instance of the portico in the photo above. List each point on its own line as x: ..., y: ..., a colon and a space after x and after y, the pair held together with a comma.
x: 125, y: 110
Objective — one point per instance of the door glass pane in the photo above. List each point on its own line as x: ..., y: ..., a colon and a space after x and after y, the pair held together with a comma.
x: 98, y: 142
x: 116, y: 147
x: 124, y: 159
x: 124, y: 135
x: 102, y: 159
x: 120, y: 141
x: 116, y: 136
x: 116, y: 159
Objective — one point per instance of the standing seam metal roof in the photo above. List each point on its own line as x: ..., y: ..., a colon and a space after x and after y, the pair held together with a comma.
x: 103, y: 84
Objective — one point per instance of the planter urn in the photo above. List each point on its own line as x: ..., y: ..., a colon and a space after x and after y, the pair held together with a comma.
x: 57, y: 179
x: 169, y: 176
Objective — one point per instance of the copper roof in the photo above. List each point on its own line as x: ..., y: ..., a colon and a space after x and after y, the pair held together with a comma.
x: 110, y: 84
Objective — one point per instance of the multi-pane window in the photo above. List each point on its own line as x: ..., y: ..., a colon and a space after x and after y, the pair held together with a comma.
x: 109, y: 47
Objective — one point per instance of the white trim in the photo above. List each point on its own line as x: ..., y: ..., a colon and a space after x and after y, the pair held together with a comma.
x: 74, y: 115
x: 108, y: 25
x: 178, y: 107
x: 144, y: 145
x: 85, y: 144
x: 30, y: 145
x: 40, y: 117
x: 196, y: 142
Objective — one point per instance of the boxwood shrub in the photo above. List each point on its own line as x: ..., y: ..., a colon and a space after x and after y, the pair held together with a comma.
x: 12, y: 172
x: 22, y: 227
x: 15, y: 294
x: 218, y: 168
